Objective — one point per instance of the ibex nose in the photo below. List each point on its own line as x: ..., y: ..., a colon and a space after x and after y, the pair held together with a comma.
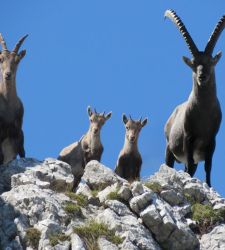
x: 95, y: 130
x: 7, y: 75
x: 132, y: 138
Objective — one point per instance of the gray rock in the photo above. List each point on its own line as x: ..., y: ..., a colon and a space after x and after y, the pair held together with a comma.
x: 97, y: 176
x: 50, y: 173
x: 138, y: 203
x: 125, y: 192
x: 137, y: 188
x: 214, y: 240
x: 172, y: 197
x: 103, y: 195
x: 168, y: 227
x: 76, y: 243
x: 104, y: 244
x: 118, y: 207
x: 129, y: 228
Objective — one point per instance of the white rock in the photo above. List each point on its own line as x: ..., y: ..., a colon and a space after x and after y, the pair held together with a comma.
x: 214, y: 240
x: 77, y: 243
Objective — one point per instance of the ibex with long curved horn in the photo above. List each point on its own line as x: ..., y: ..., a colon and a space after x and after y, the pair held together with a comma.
x: 191, y: 129
x: 11, y: 107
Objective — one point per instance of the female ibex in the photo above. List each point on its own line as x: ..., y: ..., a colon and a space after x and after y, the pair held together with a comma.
x: 89, y: 147
x: 11, y: 107
x: 192, y: 127
x: 129, y: 161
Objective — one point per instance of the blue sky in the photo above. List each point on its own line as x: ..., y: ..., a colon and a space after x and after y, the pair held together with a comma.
x: 119, y: 56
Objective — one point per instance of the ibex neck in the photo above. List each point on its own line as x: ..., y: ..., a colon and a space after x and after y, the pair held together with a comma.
x: 8, y: 89
x: 93, y: 139
x: 130, y: 147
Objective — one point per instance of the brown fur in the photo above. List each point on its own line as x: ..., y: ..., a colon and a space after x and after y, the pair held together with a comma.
x: 129, y: 160
x: 78, y: 154
x: 11, y: 107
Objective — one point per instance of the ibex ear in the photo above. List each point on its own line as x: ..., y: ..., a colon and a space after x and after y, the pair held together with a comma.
x: 187, y: 61
x: 144, y: 122
x: 89, y: 111
x: 108, y: 115
x: 217, y: 57
x: 22, y: 54
x: 125, y: 120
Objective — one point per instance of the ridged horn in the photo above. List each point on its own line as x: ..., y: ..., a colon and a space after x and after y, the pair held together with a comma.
x: 215, y: 36
x: 18, y: 45
x: 3, y: 43
x: 171, y: 14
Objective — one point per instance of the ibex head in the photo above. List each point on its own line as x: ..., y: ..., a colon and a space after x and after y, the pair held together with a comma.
x: 202, y: 62
x: 133, y: 128
x: 97, y: 120
x: 9, y: 60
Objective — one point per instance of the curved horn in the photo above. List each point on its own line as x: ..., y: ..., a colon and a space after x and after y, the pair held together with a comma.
x: 18, y: 45
x: 215, y: 35
x: 3, y: 43
x: 171, y: 14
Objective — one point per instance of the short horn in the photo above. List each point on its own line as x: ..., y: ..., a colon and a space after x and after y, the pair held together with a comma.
x: 130, y: 118
x: 3, y: 43
x: 18, y: 45
x: 140, y: 119
x: 95, y: 111
x: 171, y: 14
x: 215, y: 36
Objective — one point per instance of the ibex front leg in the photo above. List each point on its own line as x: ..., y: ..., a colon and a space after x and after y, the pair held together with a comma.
x: 188, y: 148
x: 208, y: 161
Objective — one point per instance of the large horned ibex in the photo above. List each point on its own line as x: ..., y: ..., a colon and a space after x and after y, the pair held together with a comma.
x: 88, y: 148
x: 129, y: 161
x: 192, y: 127
x: 11, y: 107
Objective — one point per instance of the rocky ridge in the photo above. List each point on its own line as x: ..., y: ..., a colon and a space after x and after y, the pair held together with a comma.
x: 38, y: 209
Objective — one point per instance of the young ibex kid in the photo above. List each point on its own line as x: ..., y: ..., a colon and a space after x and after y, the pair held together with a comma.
x: 129, y: 161
x: 78, y: 154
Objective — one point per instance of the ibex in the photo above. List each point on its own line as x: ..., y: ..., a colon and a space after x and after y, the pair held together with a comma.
x: 191, y: 129
x: 11, y: 107
x: 89, y: 147
x: 129, y: 161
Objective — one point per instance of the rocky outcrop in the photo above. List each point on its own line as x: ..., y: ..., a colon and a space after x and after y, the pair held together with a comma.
x: 38, y: 209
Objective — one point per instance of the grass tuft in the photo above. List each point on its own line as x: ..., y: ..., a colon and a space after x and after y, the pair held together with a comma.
x: 32, y: 237
x: 73, y: 209
x: 55, y: 239
x: 81, y: 199
x: 92, y: 231
x: 154, y: 186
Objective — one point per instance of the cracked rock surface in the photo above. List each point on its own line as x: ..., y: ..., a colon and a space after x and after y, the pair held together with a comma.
x: 39, y: 210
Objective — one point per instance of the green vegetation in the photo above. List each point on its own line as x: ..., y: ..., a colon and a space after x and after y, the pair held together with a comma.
x: 189, y: 198
x: 201, y: 213
x: 92, y: 231
x: 114, y: 195
x: 73, y: 209
x: 33, y: 236
x: 206, y: 217
x: 81, y: 199
x: 54, y: 239
x: 95, y: 192
x: 154, y: 186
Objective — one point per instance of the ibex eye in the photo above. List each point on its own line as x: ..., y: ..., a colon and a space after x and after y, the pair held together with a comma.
x: 127, y: 128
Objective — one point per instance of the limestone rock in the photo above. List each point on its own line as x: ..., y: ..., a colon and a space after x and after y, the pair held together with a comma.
x: 214, y: 240
x: 97, y: 176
